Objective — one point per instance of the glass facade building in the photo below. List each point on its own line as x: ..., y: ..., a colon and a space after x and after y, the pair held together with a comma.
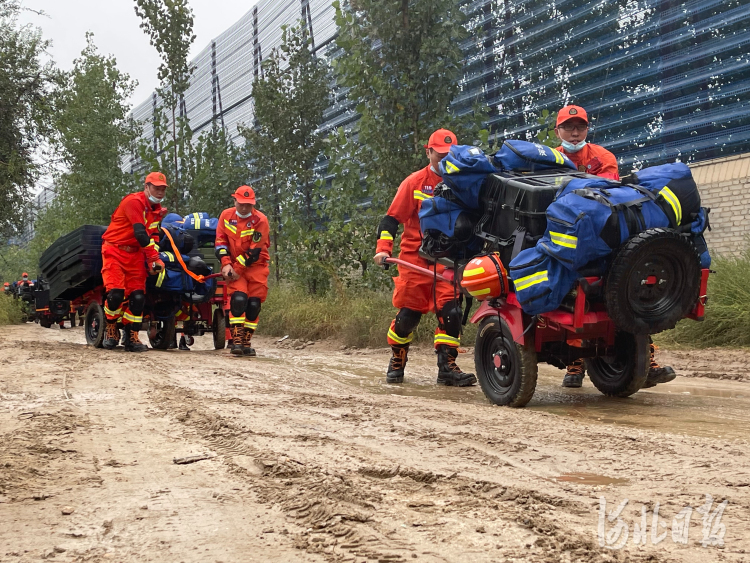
x: 660, y: 79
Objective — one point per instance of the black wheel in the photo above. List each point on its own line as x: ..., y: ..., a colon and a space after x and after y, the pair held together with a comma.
x: 46, y: 323
x: 95, y: 325
x: 624, y: 373
x: 653, y: 282
x: 220, y: 329
x: 506, y: 370
x: 165, y: 334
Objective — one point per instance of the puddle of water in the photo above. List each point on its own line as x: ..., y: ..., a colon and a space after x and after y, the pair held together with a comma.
x: 588, y: 479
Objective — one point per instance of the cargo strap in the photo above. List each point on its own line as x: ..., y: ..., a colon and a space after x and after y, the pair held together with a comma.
x: 518, y: 237
x: 197, y: 277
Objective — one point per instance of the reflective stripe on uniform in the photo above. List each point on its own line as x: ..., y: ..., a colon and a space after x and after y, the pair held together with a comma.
x: 473, y: 272
x: 223, y: 251
x: 247, y: 233
x: 385, y: 235
x: 533, y: 279
x: 236, y: 320
x: 111, y: 313
x: 231, y: 228
x: 153, y: 225
x: 160, y: 279
x: 447, y: 339
x: 398, y: 339
x: 241, y: 259
x: 132, y: 318
x: 451, y: 168
x: 252, y: 325
x: 562, y: 239
x: 420, y: 195
x: 674, y: 203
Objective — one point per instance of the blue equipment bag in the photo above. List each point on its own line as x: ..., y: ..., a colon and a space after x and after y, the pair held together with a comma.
x: 172, y: 219
x: 447, y: 229
x: 677, y: 191
x: 540, y: 281
x: 524, y: 156
x: 201, y: 227
x: 464, y: 171
x: 593, y: 217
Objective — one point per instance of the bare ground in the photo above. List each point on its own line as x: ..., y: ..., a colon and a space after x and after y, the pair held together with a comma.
x: 312, y: 458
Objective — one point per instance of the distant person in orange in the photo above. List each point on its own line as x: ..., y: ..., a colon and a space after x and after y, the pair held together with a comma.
x: 129, y: 254
x: 414, y: 294
x: 242, y: 242
x: 572, y: 128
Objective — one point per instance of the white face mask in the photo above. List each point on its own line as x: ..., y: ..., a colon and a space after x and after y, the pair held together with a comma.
x: 573, y: 147
x: 153, y: 199
x: 241, y: 216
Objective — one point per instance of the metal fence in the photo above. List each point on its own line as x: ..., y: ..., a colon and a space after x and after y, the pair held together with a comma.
x: 661, y: 79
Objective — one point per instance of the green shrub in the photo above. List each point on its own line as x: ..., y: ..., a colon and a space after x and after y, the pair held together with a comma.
x: 10, y: 310
x: 359, y: 318
x: 727, y: 319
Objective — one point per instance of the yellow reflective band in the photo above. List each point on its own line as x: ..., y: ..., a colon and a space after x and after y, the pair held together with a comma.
x: 562, y: 239
x: 247, y: 233
x: 197, y: 219
x: 230, y: 228
x: 558, y: 157
x: 153, y: 225
x: 473, y: 272
x: 251, y: 325
x: 673, y: 202
x: 241, y: 259
x: 445, y: 339
x: 161, y: 278
x: 396, y: 338
x: 420, y: 195
x: 451, y: 168
x: 132, y: 318
x: 112, y: 313
x: 170, y: 256
x: 236, y: 320
x: 385, y: 235
x: 479, y: 292
x: 152, y: 243
x: 533, y: 279
x: 178, y: 313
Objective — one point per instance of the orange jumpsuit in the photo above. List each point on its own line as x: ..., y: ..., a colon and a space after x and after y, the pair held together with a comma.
x: 239, y: 236
x: 123, y: 259
x: 413, y: 290
x: 594, y: 159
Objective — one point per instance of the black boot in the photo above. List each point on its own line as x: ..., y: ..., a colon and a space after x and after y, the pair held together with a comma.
x: 574, y: 377
x: 112, y: 336
x: 448, y: 371
x: 247, y: 349
x: 397, y: 364
x: 238, y: 335
x: 132, y: 342
x: 183, y: 344
x: 656, y: 373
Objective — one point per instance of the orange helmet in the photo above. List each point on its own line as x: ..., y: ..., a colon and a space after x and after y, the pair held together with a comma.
x: 24, y: 275
x: 484, y: 277
x: 6, y: 284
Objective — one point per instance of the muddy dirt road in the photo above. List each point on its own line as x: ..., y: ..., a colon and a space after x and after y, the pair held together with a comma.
x: 311, y: 457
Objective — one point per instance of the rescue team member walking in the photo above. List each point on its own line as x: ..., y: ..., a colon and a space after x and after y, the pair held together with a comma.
x: 242, y: 242
x: 413, y: 294
x: 129, y: 243
x: 571, y: 128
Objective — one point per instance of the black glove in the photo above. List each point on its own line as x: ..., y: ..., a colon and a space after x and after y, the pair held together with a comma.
x: 252, y: 256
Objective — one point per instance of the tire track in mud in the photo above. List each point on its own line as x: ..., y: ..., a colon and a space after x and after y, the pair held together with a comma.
x: 348, y: 513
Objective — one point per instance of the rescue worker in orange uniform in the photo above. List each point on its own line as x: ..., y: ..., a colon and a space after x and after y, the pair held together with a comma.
x: 242, y: 242
x: 129, y: 254
x: 6, y: 288
x: 572, y: 128
x: 413, y: 294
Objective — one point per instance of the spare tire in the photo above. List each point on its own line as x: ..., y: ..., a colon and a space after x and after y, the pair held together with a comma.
x: 653, y: 282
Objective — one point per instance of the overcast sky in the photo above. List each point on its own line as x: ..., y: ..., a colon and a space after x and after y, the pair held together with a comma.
x: 117, y: 32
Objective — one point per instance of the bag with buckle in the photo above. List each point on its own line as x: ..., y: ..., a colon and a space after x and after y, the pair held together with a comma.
x: 464, y: 170
x: 447, y: 229
x: 541, y: 282
x: 525, y: 156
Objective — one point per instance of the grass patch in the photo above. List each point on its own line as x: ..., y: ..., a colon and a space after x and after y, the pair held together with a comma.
x: 359, y: 319
x: 727, y: 319
x: 10, y: 310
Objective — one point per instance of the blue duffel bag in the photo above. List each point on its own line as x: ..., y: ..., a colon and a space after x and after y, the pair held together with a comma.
x: 464, y: 171
x: 540, y: 281
x: 525, y: 156
x: 447, y: 228
x: 201, y: 227
x: 677, y: 192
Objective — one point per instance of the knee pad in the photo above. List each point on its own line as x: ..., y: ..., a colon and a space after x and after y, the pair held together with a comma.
x: 253, y: 309
x: 115, y: 297
x: 137, y: 302
x: 238, y: 303
x: 406, y: 321
x: 451, y: 317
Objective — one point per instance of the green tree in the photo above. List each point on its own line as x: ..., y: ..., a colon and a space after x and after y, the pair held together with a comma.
x: 26, y: 110
x: 93, y: 131
x: 283, y: 147
x: 169, y: 26
x: 546, y: 134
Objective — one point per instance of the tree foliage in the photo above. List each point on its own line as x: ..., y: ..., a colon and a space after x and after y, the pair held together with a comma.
x: 26, y: 110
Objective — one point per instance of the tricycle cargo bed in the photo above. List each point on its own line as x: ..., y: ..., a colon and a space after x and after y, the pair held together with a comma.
x: 72, y: 265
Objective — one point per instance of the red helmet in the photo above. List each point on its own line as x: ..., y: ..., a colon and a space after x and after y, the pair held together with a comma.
x: 24, y: 275
x: 484, y: 277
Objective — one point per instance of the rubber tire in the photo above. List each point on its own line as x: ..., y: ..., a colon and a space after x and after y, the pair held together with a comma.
x: 652, y: 252
x: 493, y: 334
x: 165, y: 336
x: 619, y: 376
x: 94, y: 325
x: 219, y: 329
x: 46, y: 323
